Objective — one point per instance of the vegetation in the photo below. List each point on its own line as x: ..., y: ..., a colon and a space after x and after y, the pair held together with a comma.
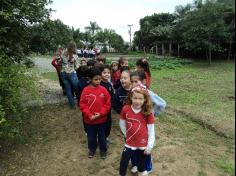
x: 201, y: 27
x: 15, y: 79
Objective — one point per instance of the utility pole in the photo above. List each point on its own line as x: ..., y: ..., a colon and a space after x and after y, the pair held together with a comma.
x: 130, y: 25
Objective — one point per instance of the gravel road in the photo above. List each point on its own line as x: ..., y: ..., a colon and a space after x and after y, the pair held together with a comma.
x: 50, y: 91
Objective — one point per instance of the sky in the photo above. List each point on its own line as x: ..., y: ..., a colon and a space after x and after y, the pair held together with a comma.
x: 111, y: 14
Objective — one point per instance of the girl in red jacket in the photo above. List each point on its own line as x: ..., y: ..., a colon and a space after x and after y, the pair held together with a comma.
x: 143, y: 65
x: 137, y: 125
x: 95, y: 104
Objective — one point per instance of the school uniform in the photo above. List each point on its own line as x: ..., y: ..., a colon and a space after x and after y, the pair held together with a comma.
x: 95, y: 100
x: 119, y: 98
x: 139, y: 135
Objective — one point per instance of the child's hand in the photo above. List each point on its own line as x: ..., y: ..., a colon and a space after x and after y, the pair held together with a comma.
x: 95, y: 116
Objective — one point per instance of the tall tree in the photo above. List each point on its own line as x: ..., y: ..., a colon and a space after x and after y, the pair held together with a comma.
x: 205, y: 29
x: 16, y: 17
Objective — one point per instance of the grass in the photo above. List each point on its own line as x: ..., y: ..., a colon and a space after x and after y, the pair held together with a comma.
x: 206, y: 94
x: 50, y: 75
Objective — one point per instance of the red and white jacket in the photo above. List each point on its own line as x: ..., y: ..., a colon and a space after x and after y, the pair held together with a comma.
x: 95, y: 100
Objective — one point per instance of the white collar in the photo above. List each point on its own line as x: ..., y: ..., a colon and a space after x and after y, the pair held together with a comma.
x: 136, y: 111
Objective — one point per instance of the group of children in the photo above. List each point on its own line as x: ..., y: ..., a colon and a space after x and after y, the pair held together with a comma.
x: 101, y: 87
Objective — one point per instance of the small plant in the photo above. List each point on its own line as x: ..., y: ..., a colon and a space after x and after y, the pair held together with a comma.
x: 228, y: 167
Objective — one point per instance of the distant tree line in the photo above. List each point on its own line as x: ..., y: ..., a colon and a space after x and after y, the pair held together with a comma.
x: 201, y: 27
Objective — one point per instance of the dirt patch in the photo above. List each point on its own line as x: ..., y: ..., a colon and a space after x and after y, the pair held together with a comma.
x: 58, y: 146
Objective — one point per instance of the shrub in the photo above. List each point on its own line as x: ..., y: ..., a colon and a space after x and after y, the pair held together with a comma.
x: 14, y: 79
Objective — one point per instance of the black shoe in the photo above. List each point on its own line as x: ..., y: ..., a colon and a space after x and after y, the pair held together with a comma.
x: 91, y: 154
x: 103, y: 155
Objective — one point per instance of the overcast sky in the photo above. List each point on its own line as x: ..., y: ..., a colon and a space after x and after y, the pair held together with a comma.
x: 111, y: 14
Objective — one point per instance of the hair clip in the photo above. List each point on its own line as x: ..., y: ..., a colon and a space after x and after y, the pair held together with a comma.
x: 139, y: 87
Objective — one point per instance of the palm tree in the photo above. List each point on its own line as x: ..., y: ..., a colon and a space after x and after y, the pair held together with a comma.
x: 93, y: 28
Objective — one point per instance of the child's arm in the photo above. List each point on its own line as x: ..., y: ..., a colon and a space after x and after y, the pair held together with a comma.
x: 107, y: 105
x: 84, y: 107
x: 159, y: 103
x: 123, y: 126
x: 151, y: 138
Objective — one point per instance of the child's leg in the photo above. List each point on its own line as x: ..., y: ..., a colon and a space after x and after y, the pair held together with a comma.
x: 134, y: 162
x: 134, y: 159
x: 85, y: 127
x: 125, y: 161
x: 102, y: 137
x: 141, y: 157
x: 92, y: 137
x: 148, y: 163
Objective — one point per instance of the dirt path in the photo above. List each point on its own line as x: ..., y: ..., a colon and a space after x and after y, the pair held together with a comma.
x: 57, y: 146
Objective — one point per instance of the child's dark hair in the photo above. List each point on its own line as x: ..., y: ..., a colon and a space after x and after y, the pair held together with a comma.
x: 143, y: 63
x: 83, y: 71
x: 91, y: 62
x: 100, y: 58
x: 121, y: 61
x: 95, y: 71
x: 140, y: 74
x: 123, y: 68
x: 102, y: 67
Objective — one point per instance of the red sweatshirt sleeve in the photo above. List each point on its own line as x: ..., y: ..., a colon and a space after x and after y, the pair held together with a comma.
x: 84, y: 104
x: 54, y: 63
x: 107, y: 104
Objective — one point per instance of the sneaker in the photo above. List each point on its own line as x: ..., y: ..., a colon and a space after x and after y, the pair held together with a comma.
x: 149, y: 171
x: 134, y: 169
x: 91, y: 154
x: 103, y: 155
x: 143, y: 173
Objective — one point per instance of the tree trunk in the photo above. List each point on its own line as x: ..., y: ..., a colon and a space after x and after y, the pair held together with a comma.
x: 178, y: 50
x: 162, y: 49
x: 144, y: 50
x: 209, y: 58
x: 156, y: 50
x: 170, y: 49
x: 230, y: 48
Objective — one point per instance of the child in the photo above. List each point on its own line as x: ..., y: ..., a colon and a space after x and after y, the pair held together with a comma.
x: 83, y: 71
x: 56, y: 62
x: 137, y: 125
x: 122, y: 92
x: 91, y: 63
x: 123, y: 62
x: 101, y: 60
x: 138, y: 78
x: 106, y: 75
x: 159, y: 105
x: 142, y: 65
x: 83, y: 61
x: 118, y: 83
x: 115, y: 72
x: 95, y: 103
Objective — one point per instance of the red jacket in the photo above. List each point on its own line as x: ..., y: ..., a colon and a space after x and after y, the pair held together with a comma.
x: 56, y: 64
x: 95, y: 100
x: 115, y: 76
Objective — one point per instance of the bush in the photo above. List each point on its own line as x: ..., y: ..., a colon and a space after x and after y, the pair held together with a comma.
x: 162, y: 63
x: 14, y: 78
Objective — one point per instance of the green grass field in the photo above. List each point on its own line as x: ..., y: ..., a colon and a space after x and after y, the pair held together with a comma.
x: 205, y: 94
